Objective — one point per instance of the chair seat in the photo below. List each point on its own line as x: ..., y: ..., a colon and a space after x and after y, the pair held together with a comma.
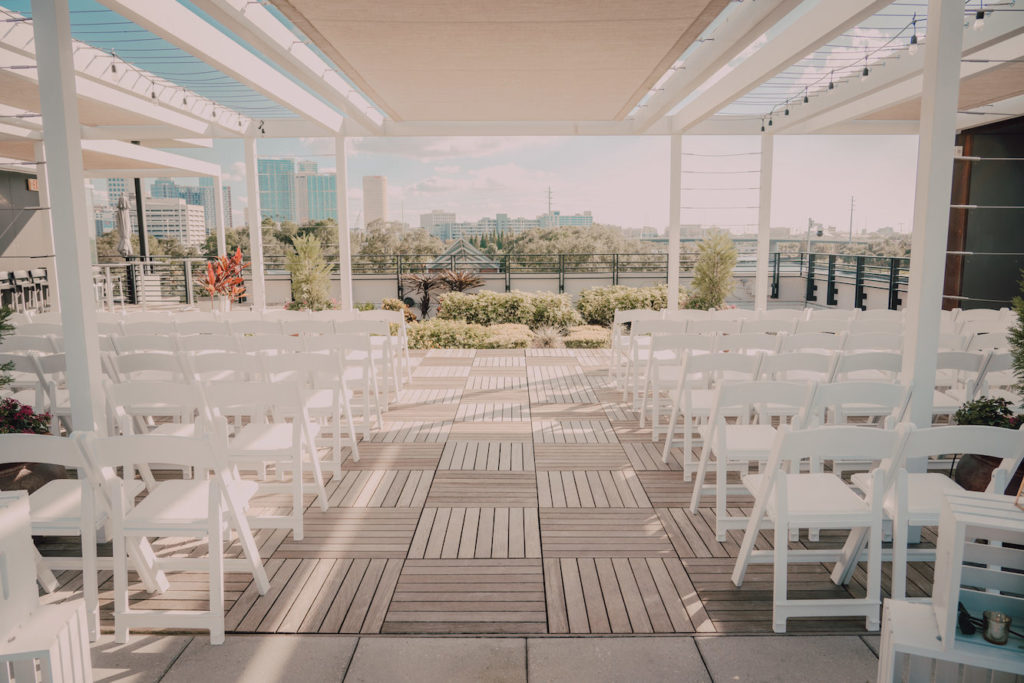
x: 180, y: 504
x: 258, y: 438
x: 56, y: 508
x: 749, y: 441
x: 175, y: 429
x: 320, y: 401
x: 815, y: 499
x: 925, y: 492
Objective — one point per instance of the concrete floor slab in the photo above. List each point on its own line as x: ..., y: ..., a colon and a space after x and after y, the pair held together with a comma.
x: 441, y: 660
x: 837, y: 659
x: 611, y: 660
x: 144, y: 659
x: 264, y: 659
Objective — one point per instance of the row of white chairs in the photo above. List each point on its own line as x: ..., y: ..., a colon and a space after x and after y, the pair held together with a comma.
x: 789, y: 495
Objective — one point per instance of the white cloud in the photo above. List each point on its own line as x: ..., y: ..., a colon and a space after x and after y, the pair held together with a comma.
x: 450, y: 168
x: 235, y: 173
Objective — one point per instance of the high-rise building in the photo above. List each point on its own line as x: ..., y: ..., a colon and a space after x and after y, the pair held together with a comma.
x: 117, y: 187
x: 316, y: 194
x: 201, y: 195
x: 229, y: 219
x: 438, y: 223
x: 277, y: 188
x: 174, y: 218
x: 375, y: 199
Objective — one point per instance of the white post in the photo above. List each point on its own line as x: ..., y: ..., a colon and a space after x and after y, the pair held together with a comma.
x: 255, y: 220
x: 43, y: 181
x: 218, y: 207
x: 344, y: 247
x: 764, y: 217
x: 931, y: 202
x: 674, y: 185
x: 51, y: 25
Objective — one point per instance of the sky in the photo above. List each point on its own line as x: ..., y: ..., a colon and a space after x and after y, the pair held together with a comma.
x: 623, y: 180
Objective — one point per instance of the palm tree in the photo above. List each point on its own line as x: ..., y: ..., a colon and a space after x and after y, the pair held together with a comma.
x: 459, y: 280
x: 424, y: 285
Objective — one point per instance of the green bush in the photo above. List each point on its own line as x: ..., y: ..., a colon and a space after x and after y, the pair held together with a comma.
x: 392, y: 304
x: 446, y: 334
x: 588, y: 337
x: 597, y: 305
x: 508, y: 336
x: 712, y: 273
x: 310, y: 273
x: 365, y: 306
x: 516, y: 308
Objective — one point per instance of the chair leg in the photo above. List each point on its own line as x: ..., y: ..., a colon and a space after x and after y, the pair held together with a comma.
x: 216, y: 549
x: 900, y: 532
x: 721, y: 491
x: 780, y: 562
x: 698, y: 481
x: 666, y: 452
x: 874, y: 587
x: 90, y: 588
x: 120, y: 587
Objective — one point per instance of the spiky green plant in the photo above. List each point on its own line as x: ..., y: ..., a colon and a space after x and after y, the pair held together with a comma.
x: 311, y: 274
x: 460, y: 280
x: 423, y: 284
x: 712, y: 274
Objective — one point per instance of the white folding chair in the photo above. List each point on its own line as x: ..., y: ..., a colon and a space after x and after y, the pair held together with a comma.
x: 326, y: 396
x: 204, y: 507
x: 769, y: 326
x: 881, y: 315
x: 360, y: 371
x: 958, y: 375
x: 22, y: 343
x: 147, y: 343
x: 714, y: 326
x: 788, y: 314
x: 862, y: 326
x: 37, y: 642
x: 262, y: 434
x: 664, y: 368
x: 230, y: 367
x: 304, y: 327
x: 994, y: 337
x: 748, y: 441
x: 396, y: 323
x: 38, y: 329
x: 748, y: 343
x: 869, y: 366
x: 789, y: 500
x: 26, y: 379
x: 621, y: 349
x: 915, y: 499
x: 734, y: 314
x: 641, y: 333
x: 817, y: 324
x: 812, y: 341
x: 148, y: 367
x: 694, y: 396
x: 999, y: 379
x: 873, y: 341
x: 140, y: 328
x: 272, y: 343
x: 199, y: 344
x: 206, y: 325
x: 840, y: 314
x: 52, y: 370
x: 254, y: 327
x: 799, y: 366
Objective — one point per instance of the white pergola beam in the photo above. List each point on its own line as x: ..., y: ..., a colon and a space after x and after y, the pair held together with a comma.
x: 255, y: 220
x: 675, y: 174
x: 265, y: 32
x: 185, y: 29
x: 900, y: 80
x: 764, y: 216
x: 157, y: 162
x: 742, y: 26
x: 344, y: 245
x: 820, y: 23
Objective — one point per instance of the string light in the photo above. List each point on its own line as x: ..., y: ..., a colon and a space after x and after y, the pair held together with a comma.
x: 979, y: 17
x: 113, y: 62
x: 865, y: 72
x: 805, y: 96
x: 912, y: 50
x: 786, y: 113
x: 831, y: 84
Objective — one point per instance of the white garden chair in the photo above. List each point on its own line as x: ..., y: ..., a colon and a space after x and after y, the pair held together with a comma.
x: 306, y: 327
x: 264, y: 435
x: 694, y: 395
x: 204, y: 507
x: 231, y: 367
x: 400, y: 335
x: 272, y: 343
x: 734, y: 314
x: 145, y: 367
x: 205, y: 325
x: 37, y: 642
x: 52, y: 370
x: 869, y: 366
x: 769, y: 326
x: 799, y: 366
x: 714, y: 326
x: 915, y: 498
x: 199, y: 344
x: 812, y: 341
x: 22, y: 343
x: 789, y: 499
x: 999, y: 379
x: 146, y: 343
x: 360, y: 371
x: 641, y: 333
x: 254, y: 327
x: 873, y: 341
x: 26, y: 385
x: 621, y: 338
x: 664, y: 369
x: 958, y: 375
x: 863, y: 326
x: 818, y: 324
x: 748, y: 441
x: 748, y: 342
x: 38, y: 329
x: 162, y: 328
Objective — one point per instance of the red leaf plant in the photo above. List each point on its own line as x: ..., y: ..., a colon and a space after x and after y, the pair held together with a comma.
x: 224, y: 276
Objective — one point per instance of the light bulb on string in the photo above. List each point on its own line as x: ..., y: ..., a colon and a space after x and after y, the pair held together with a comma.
x: 865, y: 72
x: 113, y: 62
x: 913, y: 37
x: 786, y: 112
x: 831, y: 83
x: 762, y: 125
x: 805, y: 96
x: 979, y: 16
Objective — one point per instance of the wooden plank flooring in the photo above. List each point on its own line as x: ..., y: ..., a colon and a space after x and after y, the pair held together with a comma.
x: 507, y: 492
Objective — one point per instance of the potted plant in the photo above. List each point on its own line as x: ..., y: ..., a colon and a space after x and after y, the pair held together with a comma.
x: 973, y: 472
x: 224, y: 279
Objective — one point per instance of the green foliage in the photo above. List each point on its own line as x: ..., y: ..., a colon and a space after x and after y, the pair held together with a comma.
x: 310, y: 272
x: 460, y: 280
x: 365, y: 306
x: 446, y: 334
x: 588, y: 337
x: 391, y: 304
x: 6, y: 328
x: 16, y: 418
x: 1015, y: 337
x: 508, y: 336
x: 548, y: 338
x: 534, y: 310
x: 712, y: 274
x: 597, y: 305
x: 424, y: 285
x: 987, y: 412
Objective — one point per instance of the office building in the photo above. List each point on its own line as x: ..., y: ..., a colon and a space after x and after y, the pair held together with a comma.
x: 173, y: 218
x: 229, y: 220
x: 316, y: 194
x: 375, y: 199
x: 277, y: 189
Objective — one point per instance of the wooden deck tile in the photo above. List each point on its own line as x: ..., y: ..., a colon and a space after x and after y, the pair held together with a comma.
x: 646, y: 455
x: 559, y: 384
x: 569, y: 411
x: 603, y: 533
x: 496, y: 361
x: 573, y: 432
x: 352, y: 532
x: 380, y: 488
x: 395, y: 456
x: 428, y: 431
x: 492, y: 381
x: 410, y: 397
x: 472, y: 489
x: 580, y: 457
x: 497, y: 411
x: 468, y: 596
x: 590, y: 489
x: 505, y: 456
x: 480, y: 533
x: 432, y: 371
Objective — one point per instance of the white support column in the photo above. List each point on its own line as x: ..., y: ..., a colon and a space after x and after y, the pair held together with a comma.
x: 43, y: 181
x: 344, y: 247
x: 931, y: 202
x: 62, y: 141
x: 218, y: 207
x: 674, y: 184
x: 764, y: 217
x: 255, y: 220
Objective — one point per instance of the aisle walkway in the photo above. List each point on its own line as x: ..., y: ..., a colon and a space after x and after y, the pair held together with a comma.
x: 510, y: 492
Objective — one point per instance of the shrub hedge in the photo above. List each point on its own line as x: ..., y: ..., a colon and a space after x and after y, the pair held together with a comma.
x: 457, y: 334
x: 588, y: 337
x: 540, y: 309
x: 597, y: 305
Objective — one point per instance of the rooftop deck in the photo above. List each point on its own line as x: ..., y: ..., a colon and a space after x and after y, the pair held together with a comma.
x: 510, y: 492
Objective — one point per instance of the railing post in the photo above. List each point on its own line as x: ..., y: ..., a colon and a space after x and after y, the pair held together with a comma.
x: 508, y: 272
x: 894, y: 284
x: 811, y: 287
x: 830, y: 295
x: 452, y: 257
x: 615, y: 269
x: 859, y: 295
x: 561, y: 273
x: 776, y: 261
x: 189, y: 294
x: 398, y: 277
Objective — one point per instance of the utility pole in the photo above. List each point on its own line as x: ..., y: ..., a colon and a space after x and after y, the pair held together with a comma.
x: 549, y: 199
x: 851, y: 219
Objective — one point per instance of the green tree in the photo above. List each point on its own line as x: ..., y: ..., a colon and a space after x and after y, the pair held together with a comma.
x: 310, y: 272
x: 712, y: 273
